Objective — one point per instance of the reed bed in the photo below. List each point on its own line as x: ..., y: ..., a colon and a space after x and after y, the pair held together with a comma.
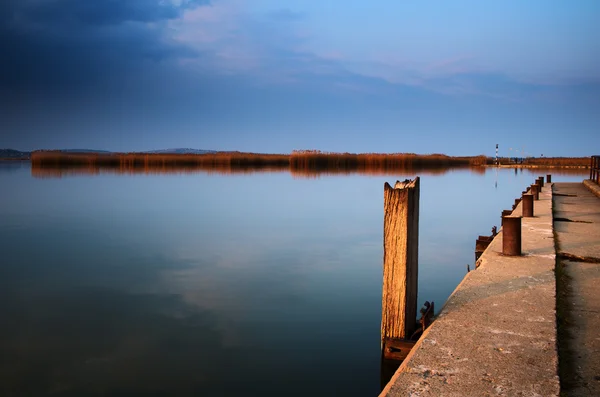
x: 308, y: 163
x: 366, y: 162
x: 157, y: 160
x: 305, y: 161
x: 558, y: 161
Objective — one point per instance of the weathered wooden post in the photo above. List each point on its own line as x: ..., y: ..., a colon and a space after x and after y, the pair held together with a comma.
x: 400, y: 263
x: 548, y: 178
x: 540, y: 181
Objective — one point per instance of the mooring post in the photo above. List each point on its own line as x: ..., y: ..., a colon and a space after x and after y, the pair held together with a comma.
x: 549, y: 178
x: 527, y: 205
x: 504, y: 213
x: 517, y: 201
x: 540, y: 181
x: 400, y: 260
x: 535, y: 190
x: 511, y: 236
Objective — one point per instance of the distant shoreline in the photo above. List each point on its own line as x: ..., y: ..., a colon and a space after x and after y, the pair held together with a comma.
x: 535, y: 166
x: 298, y: 163
x: 483, y: 165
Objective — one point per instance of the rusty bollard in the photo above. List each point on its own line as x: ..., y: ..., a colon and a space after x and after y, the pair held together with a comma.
x: 535, y: 190
x: 540, y: 181
x: 548, y: 178
x: 511, y: 235
x: 514, y: 206
x: 527, y: 205
x: 504, y: 213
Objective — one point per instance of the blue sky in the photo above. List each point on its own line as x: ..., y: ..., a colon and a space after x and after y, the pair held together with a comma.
x: 273, y: 76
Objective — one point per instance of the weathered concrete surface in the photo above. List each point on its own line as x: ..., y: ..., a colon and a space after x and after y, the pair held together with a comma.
x: 496, y: 335
x: 577, y: 216
x: 580, y: 240
x: 592, y: 186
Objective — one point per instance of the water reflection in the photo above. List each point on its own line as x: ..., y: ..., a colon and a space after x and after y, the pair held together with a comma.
x: 59, y: 172
x: 217, y: 284
x: 14, y: 165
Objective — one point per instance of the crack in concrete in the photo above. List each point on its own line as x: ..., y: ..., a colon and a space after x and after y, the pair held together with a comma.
x: 569, y: 220
x: 576, y: 258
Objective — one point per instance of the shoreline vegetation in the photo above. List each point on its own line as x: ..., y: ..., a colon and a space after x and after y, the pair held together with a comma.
x: 298, y: 163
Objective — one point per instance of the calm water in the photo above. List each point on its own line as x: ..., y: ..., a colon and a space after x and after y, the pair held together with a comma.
x: 216, y: 285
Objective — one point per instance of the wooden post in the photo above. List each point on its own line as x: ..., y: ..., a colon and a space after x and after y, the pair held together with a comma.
x: 400, y: 260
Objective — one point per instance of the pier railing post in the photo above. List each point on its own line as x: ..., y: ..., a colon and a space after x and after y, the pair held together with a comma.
x: 540, y: 181
x: 549, y: 178
x: 527, y: 205
x: 511, y: 235
x: 400, y: 260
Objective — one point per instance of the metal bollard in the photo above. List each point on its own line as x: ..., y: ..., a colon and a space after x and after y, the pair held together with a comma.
x: 527, y: 205
x: 511, y: 236
x: 535, y: 190
x: 504, y: 213
x: 548, y: 178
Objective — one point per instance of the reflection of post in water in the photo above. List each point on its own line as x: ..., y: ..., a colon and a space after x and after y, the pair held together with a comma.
x: 496, y: 183
x: 400, y: 273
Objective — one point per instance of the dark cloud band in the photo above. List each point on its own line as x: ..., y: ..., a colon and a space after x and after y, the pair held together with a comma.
x: 47, y: 44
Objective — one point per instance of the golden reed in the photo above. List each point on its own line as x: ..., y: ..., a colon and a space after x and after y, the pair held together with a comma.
x: 308, y: 163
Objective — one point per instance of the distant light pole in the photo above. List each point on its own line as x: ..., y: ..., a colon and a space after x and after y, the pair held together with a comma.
x: 497, y: 154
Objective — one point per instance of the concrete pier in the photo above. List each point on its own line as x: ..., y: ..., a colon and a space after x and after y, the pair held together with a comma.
x: 577, y: 228
x: 496, y: 334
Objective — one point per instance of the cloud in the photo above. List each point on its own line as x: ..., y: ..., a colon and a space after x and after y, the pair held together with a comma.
x: 235, y: 41
x: 72, y: 44
x: 94, y: 13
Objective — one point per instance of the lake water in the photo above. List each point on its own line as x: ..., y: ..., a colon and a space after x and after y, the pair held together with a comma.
x: 217, y: 285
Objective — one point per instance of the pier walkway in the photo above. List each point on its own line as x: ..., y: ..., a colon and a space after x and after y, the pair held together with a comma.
x: 577, y: 228
x: 497, y: 333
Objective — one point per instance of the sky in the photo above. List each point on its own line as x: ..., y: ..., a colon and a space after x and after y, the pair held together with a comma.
x: 275, y: 76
